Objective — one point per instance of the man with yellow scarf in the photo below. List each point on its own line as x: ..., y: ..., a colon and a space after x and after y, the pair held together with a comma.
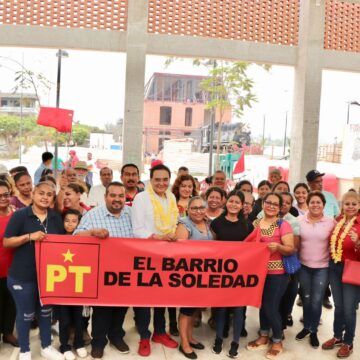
x: 154, y: 216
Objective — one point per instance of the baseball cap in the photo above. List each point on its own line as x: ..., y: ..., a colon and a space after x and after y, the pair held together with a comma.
x: 156, y: 163
x: 313, y: 174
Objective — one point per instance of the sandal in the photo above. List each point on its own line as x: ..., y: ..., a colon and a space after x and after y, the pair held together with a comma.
x: 273, y: 353
x: 255, y: 345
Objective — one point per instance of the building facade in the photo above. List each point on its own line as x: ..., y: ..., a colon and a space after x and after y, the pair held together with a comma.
x: 10, y: 104
x: 174, y: 108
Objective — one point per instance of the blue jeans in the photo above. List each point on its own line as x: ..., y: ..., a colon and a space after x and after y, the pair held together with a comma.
x: 26, y: 297
x: 346, y: 297
x: 313, y: 283
x: 270, y: 318
x: 238, y: 322
x: 142, y: 321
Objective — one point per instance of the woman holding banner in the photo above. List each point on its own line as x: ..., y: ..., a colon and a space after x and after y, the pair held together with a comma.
x: 26, y: 226
x: 345, y: 246
x: 192, y: 227
x: 278, y: 236
x: 230, y: 226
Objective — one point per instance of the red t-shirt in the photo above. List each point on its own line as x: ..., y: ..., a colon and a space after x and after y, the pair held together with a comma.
x: 349, y: 250
x: 6, y: 255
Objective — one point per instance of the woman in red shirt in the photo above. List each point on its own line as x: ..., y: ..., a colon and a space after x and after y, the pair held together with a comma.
x: 7, y: 305
x: 344, y: 244
x: 279, y: 237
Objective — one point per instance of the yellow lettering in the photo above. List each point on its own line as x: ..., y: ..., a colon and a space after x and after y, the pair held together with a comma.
x: 79, y: 272
x: 54, y: 274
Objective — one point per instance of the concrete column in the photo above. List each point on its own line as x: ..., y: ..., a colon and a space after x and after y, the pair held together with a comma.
x: 135, y: 78
x: 307, y: 91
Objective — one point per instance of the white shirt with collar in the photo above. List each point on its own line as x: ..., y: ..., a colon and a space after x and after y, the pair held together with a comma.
x: 142, y: 214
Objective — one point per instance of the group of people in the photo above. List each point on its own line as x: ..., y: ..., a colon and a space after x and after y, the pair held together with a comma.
x: 306, y: 223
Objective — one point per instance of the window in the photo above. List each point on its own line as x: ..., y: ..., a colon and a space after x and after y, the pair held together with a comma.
x: 4, y: 102
x: 188, y: 116
x: 187, y: 133
x: 165, y: 115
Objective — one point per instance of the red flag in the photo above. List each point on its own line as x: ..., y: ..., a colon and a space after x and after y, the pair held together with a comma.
x: 59, y: 119
x: 240, y: 165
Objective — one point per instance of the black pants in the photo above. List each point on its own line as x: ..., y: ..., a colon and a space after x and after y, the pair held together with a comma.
x: 70, y: 315
x: 142, y: 321
x: 7, y: 309
x: 107, y: 322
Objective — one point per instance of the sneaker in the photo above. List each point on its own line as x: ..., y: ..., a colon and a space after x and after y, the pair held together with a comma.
x: 233, y: 352
x: 302, y: 334
x: 81, y: 352
x: 50, y: 353
x: 121, y: 346
x: 165, y: 340
x: 144, y: 347
x: 344, y: 351
x: 97, y: 353
x: 314, y: 341
x: 69, y: 355
x: 217, y: 347
x: 330, y: 344
x: 25, y: 356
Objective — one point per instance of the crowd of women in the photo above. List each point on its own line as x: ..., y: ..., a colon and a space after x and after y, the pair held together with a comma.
x: 289, y: 223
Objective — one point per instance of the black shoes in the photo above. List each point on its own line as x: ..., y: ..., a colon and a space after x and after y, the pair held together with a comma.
x: 302, y: 334
x: 217, y: 347
x: 327, y: 304
x: 314, y: 341
x: 233, y: 352
x: 191, y: 355
x: 197, y: 346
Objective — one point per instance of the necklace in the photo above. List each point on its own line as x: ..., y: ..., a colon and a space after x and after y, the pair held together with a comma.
x: 336, y: 252
x: 43, y: 224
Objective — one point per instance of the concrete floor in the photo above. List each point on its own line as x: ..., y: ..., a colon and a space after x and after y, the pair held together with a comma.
x: 293, y: 350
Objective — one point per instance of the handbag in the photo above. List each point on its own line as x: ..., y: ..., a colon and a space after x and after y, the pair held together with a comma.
x: 351, y: 272
x: 291, y: 262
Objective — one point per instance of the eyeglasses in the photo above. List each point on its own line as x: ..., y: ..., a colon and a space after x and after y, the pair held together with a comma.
x: 197, y: 208
x: 4, y: 195
x: 271, y: 204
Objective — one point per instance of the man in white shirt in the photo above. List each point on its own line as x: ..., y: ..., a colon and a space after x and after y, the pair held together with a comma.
x: 97, y: 192
x: 149, y: 218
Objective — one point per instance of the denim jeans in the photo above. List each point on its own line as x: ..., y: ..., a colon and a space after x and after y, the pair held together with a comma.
x: 313, y: 283
x: 26, y: 297
x: 142, y: 321
x: 68, y: 316
x: 346, y: 297
x: 107, y: 322
x: 270, y: 318
x: 238, y: 321
x: 288, y: 299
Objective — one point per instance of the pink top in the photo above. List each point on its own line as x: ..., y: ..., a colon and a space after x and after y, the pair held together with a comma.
x: 274, y: 234
x: 314, y: 242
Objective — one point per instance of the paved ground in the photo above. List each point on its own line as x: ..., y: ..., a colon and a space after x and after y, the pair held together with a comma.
x: 294, y: 350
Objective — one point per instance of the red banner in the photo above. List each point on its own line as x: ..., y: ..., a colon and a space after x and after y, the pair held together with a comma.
x: 142, y: 272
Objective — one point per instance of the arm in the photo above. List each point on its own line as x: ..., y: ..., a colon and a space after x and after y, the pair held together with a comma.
x: 286, y: 247
x: 16, y: 241
x: 100, y: 233
x: 181, y: 232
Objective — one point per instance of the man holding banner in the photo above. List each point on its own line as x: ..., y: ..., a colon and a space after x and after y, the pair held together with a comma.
x: 154, y: 216
x: 112, y: 219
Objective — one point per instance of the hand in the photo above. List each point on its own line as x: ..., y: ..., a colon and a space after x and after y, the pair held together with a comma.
x: 169, y: 237
x: 37, y: 236
x: 354, y: 236
x: 100, y: 233
x: 273, y: 247
x: 63, y: 182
